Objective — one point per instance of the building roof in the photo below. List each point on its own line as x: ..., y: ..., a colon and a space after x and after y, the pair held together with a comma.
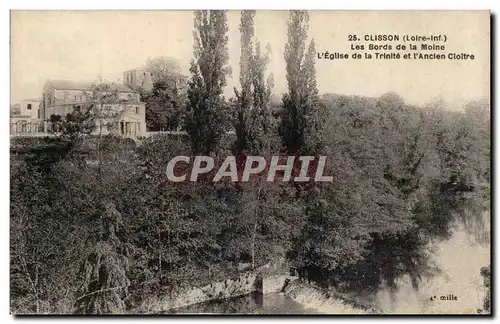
x: 15, y: 116
x: 137, y: 69
x: 79, y: 85
x: 172, y: 73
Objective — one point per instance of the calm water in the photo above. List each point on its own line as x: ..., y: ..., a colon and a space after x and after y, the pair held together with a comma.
x: 460, y: 276
x: 274, y: 303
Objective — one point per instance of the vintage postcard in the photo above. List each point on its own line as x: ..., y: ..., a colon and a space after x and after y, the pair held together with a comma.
x: 250, y: 162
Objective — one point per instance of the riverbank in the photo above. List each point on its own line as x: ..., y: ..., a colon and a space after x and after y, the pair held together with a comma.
x: 325, y: 302
x: 188, y: 294
x: 310, y: 297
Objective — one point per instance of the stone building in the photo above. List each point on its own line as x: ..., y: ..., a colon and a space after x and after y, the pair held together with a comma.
x: 25, y: 117
x: 125, y: 117
x: 138, y: 79
x: 30, y: 107
x: 141, y: 79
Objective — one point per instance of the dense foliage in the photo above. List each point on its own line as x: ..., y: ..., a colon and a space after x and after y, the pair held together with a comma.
x: 301, y: 127
x: 206, y: 121
x: 96, y: 226
x: 251, y: 105
x: 164, y: 107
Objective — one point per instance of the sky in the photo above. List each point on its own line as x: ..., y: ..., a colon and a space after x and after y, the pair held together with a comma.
x: 85, y: 45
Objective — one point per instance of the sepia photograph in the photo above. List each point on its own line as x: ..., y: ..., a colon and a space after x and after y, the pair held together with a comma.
x: 250, y: 162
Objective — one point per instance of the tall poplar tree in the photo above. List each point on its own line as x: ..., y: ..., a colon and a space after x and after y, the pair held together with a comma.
x: 259, y: 135
x: 300, y: 127
x: 251, y: 113
x: 244, y: 98
x: 205, y: 122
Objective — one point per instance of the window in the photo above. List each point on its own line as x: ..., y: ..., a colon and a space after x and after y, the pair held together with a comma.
x: 29, y: 106
x: 137, y: 110
x: 75, y: 97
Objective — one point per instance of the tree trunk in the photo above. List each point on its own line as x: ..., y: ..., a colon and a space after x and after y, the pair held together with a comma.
x: 253, y: 244
x: 159, y: 254
x: 36, y: 291
x: 99, y: 145
x: 99, y: 157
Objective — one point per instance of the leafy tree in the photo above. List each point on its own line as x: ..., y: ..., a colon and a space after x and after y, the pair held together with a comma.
x: 164, y: 107
x: 255, y: 199
x: 163, y: 69
x: 394, y: 155
x: 261, y: 135
x: 244, y: 98
x: 105, y: 280
x: 206, y: 120
x: 51, y: 216
x: 252, y: 120
x: 311, y: 115
x: 325, y: 242
x: 300, y: 127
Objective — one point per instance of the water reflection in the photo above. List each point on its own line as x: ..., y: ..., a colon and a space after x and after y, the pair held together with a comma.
x: 273, y: 303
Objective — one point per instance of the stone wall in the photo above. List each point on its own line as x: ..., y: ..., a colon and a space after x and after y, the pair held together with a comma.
x: 245, y: 284
x: 266, y: 279
x: 184, y: 296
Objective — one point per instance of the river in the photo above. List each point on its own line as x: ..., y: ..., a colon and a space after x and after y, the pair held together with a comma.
x: 459, y: 260
x: 272, y: 303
